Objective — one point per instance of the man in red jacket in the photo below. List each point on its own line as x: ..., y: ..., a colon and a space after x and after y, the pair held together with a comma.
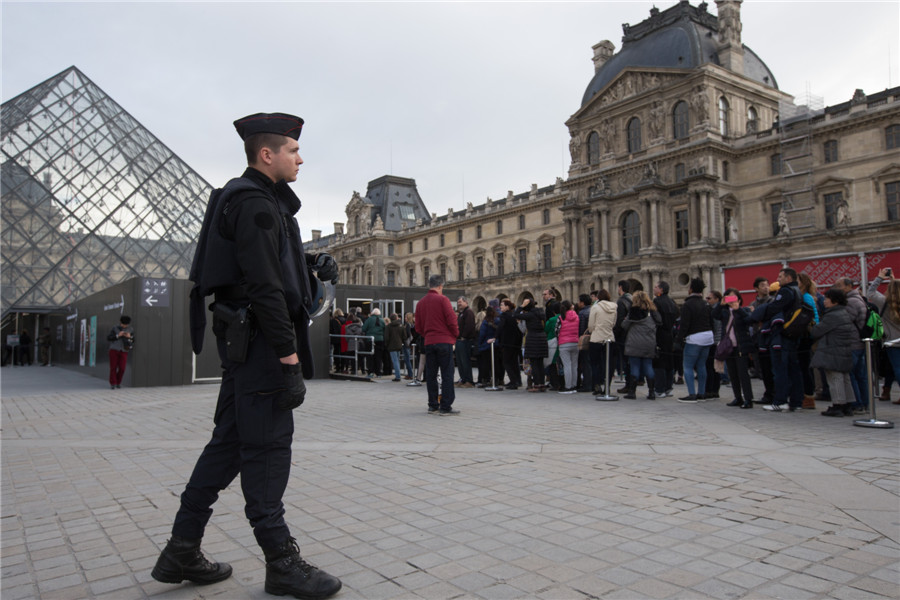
x: 436, y: 322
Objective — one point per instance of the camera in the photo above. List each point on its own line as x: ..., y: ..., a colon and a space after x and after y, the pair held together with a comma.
x: 889, y: 272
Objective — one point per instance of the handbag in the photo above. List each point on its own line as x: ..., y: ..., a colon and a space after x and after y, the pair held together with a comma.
x: 726, y: 346
x: 584, y: 342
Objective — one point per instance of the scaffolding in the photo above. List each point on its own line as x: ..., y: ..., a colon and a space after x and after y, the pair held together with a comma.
x: 90, y: 197
x: 795, y: 125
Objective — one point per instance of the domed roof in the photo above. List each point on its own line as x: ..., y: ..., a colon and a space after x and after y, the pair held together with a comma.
x: 682, y: 37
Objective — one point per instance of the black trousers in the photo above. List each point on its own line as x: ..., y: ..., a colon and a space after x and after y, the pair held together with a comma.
x: 739, y: 372
x: 511, y: 365
x: 252, y: 436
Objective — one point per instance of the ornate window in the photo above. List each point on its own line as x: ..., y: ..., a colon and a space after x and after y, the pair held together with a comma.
x: 892, y: 195
x: 892, y: 137
x: 477, y: 233
x: 479, y: 267
x: 409, y: 247
x: 411, y: 276
x: 752, y: 120
x: 391, y: 278
x: 459, y: 235
x: 681, y: 122
x: 593, y: 148
x: 442, y: 240
x: 682, y: 231
x: 460, y: 270
x: 590, y: 241
x: 725, y: 170
x: 390, y: 249
x: 723, y: 116
x: 521, y: 221
x: 523, y: 260
x: 547, y: 256
x: 499, y: 226
x: 501, y: 269
x: 634, y: 135
x: 424, y: 243
x: 545, y: 216
x: 426, y: 273
x: 443, y: 269
x: 631, y: 234
x: 831, y: 151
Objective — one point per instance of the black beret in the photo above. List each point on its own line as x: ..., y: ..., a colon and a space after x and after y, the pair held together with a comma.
x: 277, y: 123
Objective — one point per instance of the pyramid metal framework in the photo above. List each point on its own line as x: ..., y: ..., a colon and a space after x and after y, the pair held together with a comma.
x: 90, y: 198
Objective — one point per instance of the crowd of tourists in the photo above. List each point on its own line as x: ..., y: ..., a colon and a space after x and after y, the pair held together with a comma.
x: 803, y: 340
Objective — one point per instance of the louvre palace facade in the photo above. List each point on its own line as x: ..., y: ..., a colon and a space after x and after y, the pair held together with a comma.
x: 686, y: 161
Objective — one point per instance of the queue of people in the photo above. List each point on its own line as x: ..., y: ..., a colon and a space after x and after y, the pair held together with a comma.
x: 804, y: 344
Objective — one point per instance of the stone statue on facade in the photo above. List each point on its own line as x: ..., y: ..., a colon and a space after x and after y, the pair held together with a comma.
x: 732, y: 229
x: 575, y: 149
x: 657, y: 120
x: 843, y: 214
x: 608, y: 135
x: 784, y: 228
x: 700, y: 103
x: 490, y: 266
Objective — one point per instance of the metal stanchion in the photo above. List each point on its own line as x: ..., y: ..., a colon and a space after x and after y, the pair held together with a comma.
x: 415, y: 382
x: 494, y: 387
x: 872, y: 422
x: 606, y: 396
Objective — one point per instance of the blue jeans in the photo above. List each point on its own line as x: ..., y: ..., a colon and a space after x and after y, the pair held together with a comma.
x: 407, y: 361
x: 787, y: 374
x: 695, y: 359
x: 641, y: 366
x: 395, y: 360
x: 858, y: 379
x: 464, y: 360
x: 439, y: 357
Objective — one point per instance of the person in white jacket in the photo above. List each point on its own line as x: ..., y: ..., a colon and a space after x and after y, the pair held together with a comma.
x: 600, y: 325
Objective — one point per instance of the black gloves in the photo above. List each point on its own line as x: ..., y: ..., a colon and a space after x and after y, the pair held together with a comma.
x: 326, y: 268
x: 296, y: 389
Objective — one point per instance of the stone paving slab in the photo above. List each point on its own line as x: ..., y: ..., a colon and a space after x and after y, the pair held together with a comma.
x: 521, y: 496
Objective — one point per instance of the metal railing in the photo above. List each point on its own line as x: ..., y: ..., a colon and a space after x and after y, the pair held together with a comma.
x: 356, y: 351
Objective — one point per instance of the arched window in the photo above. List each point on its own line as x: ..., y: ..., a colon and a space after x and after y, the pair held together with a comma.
x: 634, y: 135
x: 594, y: 148
x: 752, y: 120
x: 681, y: 120
x: 723, y: 116
x: 631, y: 234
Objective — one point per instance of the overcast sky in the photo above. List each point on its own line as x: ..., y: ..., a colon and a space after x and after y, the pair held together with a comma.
x: 468, y: 98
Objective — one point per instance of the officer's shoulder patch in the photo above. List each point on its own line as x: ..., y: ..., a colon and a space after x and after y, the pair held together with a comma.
x: 264, y: 220
x: 778, y: 297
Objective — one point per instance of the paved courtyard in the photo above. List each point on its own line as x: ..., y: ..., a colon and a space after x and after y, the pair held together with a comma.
x: 520, y: 496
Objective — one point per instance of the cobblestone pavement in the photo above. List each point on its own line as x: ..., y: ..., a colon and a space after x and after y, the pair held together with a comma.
x: 520, y: 496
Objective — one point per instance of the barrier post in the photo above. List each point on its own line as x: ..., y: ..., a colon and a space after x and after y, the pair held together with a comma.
x: 873, y: 421
x: 493, y: 387
x: 606, y: 396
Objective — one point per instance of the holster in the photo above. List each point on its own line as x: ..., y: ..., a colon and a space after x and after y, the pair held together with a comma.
x: 238, y: 331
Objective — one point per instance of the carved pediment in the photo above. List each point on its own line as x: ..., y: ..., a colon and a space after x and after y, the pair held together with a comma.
x: 629, y: 83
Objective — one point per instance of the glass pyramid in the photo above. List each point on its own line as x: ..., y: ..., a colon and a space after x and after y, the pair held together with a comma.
x: 89, y: 198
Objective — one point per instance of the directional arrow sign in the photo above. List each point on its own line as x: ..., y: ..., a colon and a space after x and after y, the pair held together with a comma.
x: 155, y: 292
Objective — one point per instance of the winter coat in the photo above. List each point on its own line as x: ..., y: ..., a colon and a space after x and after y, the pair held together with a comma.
x: 601, y: 321
x: 741, y: 326
x: 509, y: 334
x: 393, y: 336
x: 668, y: 312
x: 486, y: 332
x: 836, y: 333
x: 353, y: 328
x: 374, y: 326
x: 535, y: 338
x: 640, y: 326
x: 568, y: 330
x: 695, y: 317
x: 889, y: 320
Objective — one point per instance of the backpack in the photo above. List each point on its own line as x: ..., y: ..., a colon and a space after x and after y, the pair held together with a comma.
x: 801, y: 319
x: 873, y: 327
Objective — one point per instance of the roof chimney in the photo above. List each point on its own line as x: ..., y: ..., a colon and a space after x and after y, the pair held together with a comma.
x: 316, y: 234
x: 603, y: 51
x: 339, y: 228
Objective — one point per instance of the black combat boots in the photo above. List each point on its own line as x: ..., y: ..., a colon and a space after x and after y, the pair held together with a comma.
x: 182, y: 559
x: 287, y: 573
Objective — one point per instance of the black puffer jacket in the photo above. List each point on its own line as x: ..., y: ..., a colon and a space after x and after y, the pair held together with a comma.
x: 695, y: 317
x: 535, y: 338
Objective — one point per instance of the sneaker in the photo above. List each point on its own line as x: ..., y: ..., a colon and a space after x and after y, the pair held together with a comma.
x: 774, y: 407
x: 689, y: 399
x: 452, y: 411
x: 433, y: 411
x: 565, y: 391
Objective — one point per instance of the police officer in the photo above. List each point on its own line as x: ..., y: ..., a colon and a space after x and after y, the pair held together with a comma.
x: 250, y: 257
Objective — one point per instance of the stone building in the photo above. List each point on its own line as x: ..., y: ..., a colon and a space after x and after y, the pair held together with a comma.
x: 686, y: 161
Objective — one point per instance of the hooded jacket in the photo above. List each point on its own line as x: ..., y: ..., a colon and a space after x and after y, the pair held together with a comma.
x: 601, y: 321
